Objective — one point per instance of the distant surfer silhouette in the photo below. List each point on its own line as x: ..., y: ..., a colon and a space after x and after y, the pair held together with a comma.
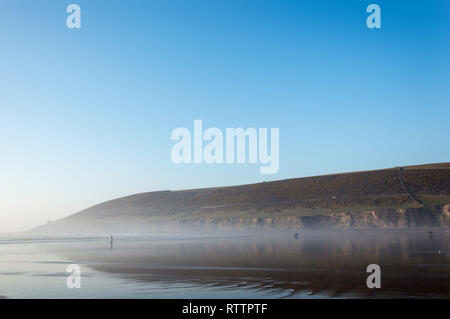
x: 112, y: 241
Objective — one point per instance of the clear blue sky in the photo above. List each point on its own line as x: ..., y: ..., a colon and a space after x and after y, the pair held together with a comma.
x: 86, y: 115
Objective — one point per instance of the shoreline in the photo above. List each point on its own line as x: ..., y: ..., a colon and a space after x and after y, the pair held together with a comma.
x: 174, y: 237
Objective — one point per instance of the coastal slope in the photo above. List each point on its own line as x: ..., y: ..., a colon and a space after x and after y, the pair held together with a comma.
x: 400, y: 197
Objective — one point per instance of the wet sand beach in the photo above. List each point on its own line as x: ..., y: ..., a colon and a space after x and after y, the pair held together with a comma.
x: 414, y: 264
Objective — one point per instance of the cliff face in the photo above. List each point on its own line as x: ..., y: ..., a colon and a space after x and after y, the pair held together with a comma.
x: 387, y: 218
x: 384, y: 218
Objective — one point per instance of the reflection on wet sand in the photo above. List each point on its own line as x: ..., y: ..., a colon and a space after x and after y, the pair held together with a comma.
x: 412, y: 264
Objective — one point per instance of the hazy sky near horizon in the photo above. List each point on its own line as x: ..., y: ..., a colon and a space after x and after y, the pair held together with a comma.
x: 86, y: 115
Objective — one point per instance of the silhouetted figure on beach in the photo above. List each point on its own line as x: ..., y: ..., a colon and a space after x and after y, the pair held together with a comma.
x: 430, y: 234
x: 112, y: 241
x: 296, y: 236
